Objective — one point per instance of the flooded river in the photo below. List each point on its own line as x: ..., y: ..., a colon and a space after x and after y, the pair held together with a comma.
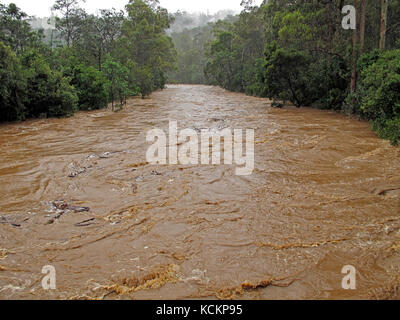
x: 77, y: 194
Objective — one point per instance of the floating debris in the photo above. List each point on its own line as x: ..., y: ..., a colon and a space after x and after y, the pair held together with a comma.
x: 139, y: 179
x: 217, y: 119
x: 62, y: 208
x: 77, y: 173
x: 387, y: 191
x: 105, y: 155
x: 61, y: 205
x: 4, y: 220
x: 85, y: 223
x: 78, y: 209
x: 3, y: 253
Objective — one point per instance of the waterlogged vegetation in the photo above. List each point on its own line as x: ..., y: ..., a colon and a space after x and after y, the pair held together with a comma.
x: 298, y: 52
x: 89, y: 62
x: 293, y: 52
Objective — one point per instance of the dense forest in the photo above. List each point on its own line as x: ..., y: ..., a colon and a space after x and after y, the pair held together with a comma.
x: 290, y: 51
x: 298, y: 52
x: 90, y: 61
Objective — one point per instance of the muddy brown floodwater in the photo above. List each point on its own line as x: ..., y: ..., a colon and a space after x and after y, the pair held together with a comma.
x: 77, y: 194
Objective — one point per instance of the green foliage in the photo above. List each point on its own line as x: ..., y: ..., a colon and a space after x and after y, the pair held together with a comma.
x: 15, y: 30
x: 287, y: 75
x: 254, y: 79
x: 222, y: 67
x: 89, y: 84
x: 389, y: 129
x: 380, y: 88
x: 98, y: 36
x: 234, y: 56
x: 48, y: 93
x: 286, y: 50
x: 191, y: 54
x: 12, y: 86
x: 294, y: 27
x: 31, y: 89
x: 307, y: 58
x: 101, y: 58
x: 117, y: 85
x: 329, y: 82
x: 72, y: 22
x: 143, y: 42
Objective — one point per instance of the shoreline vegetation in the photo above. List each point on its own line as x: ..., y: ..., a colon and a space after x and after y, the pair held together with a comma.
x: 290, y: 52
x: 90, y: 61
x: 298, y: 52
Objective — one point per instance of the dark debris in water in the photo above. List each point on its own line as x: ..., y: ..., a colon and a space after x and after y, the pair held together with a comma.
x: 134, y: 188
x: 62, y: 208
x: 85, y: 223
x: 61, y: 205
x: 6, y: 220
x: 76, y: 173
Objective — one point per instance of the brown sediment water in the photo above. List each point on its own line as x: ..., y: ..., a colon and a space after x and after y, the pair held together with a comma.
x: 78, y: 194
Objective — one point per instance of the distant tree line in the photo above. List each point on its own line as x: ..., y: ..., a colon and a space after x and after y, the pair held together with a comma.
x: 298, y: 52
x: 98, y: 59
x: 191, y: 35
x: 287, y: 50
x: 190, y: 45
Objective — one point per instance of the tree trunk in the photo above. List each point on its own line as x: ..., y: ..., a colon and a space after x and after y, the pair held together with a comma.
x: 100, y: 58
x: 384, y: 10
x: 362, y: 24
x: 353, y: 84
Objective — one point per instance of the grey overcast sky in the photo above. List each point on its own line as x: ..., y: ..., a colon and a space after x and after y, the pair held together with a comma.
x: 41, y: 8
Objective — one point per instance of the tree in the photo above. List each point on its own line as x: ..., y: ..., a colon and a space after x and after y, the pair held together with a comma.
x: 286, y: 75
x: 353, y: 84
x: 72, y: 21
x: 13, y: 86
x: 145, y: 43
x: 38, y: 80
x: 383, y: 29
x: 117, y: 80
x: 15, y: 30
x: 89, y: 84
x: 362, y: 24
x: 100, y: 34
x: 49, y: 94
x: 380, y: 88
x: 191, y: 54
x: 233, y: 56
